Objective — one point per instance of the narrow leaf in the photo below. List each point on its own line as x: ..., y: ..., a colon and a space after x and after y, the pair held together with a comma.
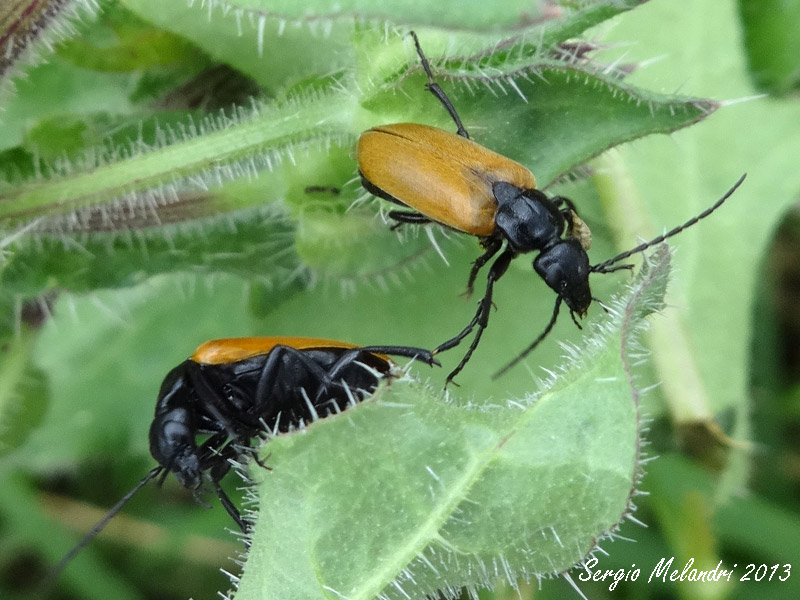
x: 27, y: 25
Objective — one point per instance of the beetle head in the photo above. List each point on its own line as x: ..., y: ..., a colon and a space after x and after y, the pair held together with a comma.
x: 172, y: 445
x: 173, y: 429
x: 565, y: 268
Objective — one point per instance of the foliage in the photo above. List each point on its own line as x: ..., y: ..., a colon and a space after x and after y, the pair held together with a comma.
x: 153, y: 195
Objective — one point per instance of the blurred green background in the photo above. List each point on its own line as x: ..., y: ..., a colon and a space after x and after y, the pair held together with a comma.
x: 80, y: 367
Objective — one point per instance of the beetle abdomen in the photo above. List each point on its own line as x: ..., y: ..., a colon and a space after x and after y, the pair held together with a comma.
x: 444, y: 176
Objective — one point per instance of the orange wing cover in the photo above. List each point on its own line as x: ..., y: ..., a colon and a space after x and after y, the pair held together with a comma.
x: 229, y: 350
x: 444, y: 176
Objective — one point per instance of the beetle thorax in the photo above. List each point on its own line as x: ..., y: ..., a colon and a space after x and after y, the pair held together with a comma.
x: 527, y: 218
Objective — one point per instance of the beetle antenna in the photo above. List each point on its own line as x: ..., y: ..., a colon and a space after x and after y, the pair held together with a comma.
x: 92, y: 533
x: 607, y: 266
x: 535, y: 343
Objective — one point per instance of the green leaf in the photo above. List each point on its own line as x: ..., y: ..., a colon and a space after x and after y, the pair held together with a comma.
x: 29, y: 25
x: 121, y: 42
x: 105, y: 361
x: 580, y: 111
x: 55, y: 89
x: 772, y: 41
x: 261, y: 248
x: 409, y: 493
x: 23, y: 391
x: 702, y: 352
x: 248, y: 34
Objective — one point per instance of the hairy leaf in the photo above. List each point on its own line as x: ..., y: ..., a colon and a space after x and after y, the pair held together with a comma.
x: 408, y: 493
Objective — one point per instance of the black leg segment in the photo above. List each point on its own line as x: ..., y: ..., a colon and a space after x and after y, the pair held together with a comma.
x: 492, y: 246
x: 481, y: 318
x: 405, y: 216
x: 436, y: 90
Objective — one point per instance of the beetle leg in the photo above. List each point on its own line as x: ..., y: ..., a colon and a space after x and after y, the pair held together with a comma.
x: 559, y: 200
x: 268, y: 378
x: 258, y: 461
x: 344, y: 361
x: 575, y: 226
x: 481, y: 318
x: 357, y: 354
x: 403, y: 216
x: 270, y: 374
x: 492, y: 245
x: 212, y: 403
x: 436, y: 90
x: 230, y: 507
x: 420, y: 354
x: 213, y: 454
x: 569, y: 213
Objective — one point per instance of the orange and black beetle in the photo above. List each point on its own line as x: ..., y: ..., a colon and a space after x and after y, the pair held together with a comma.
x: 236, y: 389
x: 448, y: 179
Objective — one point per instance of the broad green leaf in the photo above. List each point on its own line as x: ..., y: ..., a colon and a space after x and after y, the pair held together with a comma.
x: 120, y: 42
x: 409, y: 493
x: 705, y: 373
x: 772, y: 41
x: 56, y: 88
x: 106, y: 362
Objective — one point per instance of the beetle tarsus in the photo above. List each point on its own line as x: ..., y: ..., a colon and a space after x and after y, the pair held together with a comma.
x: 404, y: 217
x: 481, y: 318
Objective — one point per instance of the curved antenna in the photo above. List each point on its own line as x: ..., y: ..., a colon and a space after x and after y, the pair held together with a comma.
x: 607, y: 266
x: 48, y: 583
x: 535, y: 342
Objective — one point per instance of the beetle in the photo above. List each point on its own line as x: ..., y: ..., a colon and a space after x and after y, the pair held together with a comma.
x: 238, y: 388
x: 448, y: 179
x: 233, y: 390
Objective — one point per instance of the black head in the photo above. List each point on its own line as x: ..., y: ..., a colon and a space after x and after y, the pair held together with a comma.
x: 172, y: 445
x: 565, y: 268
x: 172, y: 433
